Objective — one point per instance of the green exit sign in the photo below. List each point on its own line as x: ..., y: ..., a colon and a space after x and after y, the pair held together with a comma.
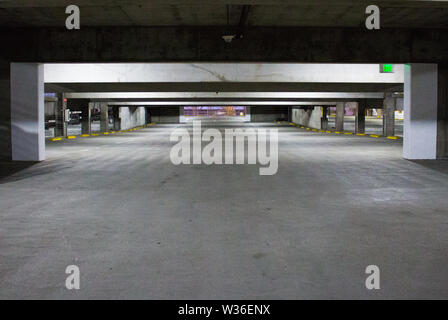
x: 386, y: 68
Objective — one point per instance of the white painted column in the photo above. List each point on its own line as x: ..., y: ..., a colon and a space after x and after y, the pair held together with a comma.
x: 27, y: 112
x: 420, y: 111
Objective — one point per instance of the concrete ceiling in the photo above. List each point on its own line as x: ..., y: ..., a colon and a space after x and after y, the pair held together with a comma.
x: 312, y: 13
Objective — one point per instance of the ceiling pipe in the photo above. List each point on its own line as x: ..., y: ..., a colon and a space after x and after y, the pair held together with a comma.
x: 243, y: 19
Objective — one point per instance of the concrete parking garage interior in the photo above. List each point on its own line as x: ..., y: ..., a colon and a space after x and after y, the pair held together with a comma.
x: 86, y: 177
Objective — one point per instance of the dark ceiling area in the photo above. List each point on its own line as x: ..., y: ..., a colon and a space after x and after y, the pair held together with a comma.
x: 306, y: 13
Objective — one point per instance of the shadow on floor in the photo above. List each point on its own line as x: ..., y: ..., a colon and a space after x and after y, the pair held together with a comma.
x: 436, y: 165
x: 9, y: 168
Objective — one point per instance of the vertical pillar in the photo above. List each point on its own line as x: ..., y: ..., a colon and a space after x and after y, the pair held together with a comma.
x: 442, y: 117
x: 116, y: 117
x: 5, y: 111
x: 340, y: 112
x: 389, y: 115
x: 86, y: 119
x: 27, y: 112
x: 420, y: 111
x: 360, y: 117
x: 324, y: 118
x: 104, y: 117
x: 60, y: 129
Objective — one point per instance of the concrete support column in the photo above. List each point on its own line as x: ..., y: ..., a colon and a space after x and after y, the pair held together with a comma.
x: 104, y: 117
x: 27, y: 112
x: 420, y: 111
x: 360, y: 117
x: 389, y: 115
x: 86, y: 119
x: 5, y: 111
x: 60, y: 129
x: 442, y: 117
x: 340, y: 112
x: 324, y: 119
x: 116, y: 117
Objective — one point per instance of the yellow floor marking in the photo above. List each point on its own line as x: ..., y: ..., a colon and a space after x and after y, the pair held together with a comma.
x: 85, y: 135
x: 375, y: 136
x: 360, y: 134
x: 348, y: 133
x: 393, y: 138
x: 56, y: 139
x: 71, y: 137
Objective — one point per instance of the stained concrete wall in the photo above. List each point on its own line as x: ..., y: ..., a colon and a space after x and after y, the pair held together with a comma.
x: 267, y: 113
x: 309, y: 117
x: 164, y: 114
x: 131, y: 117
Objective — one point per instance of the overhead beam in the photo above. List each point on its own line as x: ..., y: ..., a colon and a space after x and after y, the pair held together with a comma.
x: 223, y: 87
x: 225, y: 95
x: 220, y: 72
x: 222, y: 103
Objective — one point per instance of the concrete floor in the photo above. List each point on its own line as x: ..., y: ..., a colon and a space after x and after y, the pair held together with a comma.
x: 140, y: 227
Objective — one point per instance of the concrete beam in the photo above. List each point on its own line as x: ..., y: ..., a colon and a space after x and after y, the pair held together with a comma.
x: 220, y: 72
x: 222, y: 103
x: 222, y: 87
x: 130, y: 96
